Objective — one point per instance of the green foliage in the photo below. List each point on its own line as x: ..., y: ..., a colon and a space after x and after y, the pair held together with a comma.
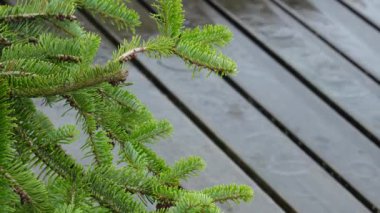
x: 182, y: 170
x: 225, y: 193
x: 209, y: 35
x: 113, y: 11
x: 170, y: 17
x: 197, y: 47
x: 44, y: 52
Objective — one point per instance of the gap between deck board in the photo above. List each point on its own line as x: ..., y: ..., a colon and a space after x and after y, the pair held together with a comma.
x: 365, y: 17
x: 358, y: 185
x: 340, y: 108
x: 369, y: 68
x: 355, y: 192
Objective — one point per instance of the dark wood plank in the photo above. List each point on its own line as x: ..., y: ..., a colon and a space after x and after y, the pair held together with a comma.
x: 188, y: 140
x: 273, y: 156
x: 329, y: 136
x: 339, y: 28
x: 341, y: 85
x: 367, y: 9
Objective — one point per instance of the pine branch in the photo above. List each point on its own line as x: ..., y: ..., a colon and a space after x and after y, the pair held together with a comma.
x: 182, y: 170
x: 200, y: 56
x: 7, y: 197
x: 64, y: 83
x: 67, y: 58
x: 130, y: 54
x: 24, y: 198
x: 31, y: 191
x: 31, y: 16
x: 120, y: 97
x: 33, y: 134
x: 209, y: 35
x: 193, y: 203
x: 154, y: 47
x: 97, y: 140
x: 63, y: 135
x: 32, y: 10
x: 169, y: 17
x: 16, y: 73
x: 112, y: 194
x: 150, y: 131
x: 5, y: 42
x: 224, y: 193
x: 115, y: 12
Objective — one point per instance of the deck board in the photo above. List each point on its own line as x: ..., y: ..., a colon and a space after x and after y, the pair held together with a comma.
x: 294, y: 105
x: 339, y: 28
x: 188, y: 140
x: 367, y: 9
x: 337, y: 81
x: 267, y: 150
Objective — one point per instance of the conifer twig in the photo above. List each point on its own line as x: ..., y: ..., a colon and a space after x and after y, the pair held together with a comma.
x: 198, y: 63
x: 5, y: 42
x: 24, y: 197
x: 16, y: 73
x: 113, y: 78
x: 67, y: 58
x: 31, y: 16
x: 131, y: 54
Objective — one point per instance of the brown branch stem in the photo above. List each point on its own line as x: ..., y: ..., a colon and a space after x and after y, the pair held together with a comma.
x: 37, y: 15
x: 80, y: 83
x: 16, y: 73
x: 131, y: 54
x: 24, y: 197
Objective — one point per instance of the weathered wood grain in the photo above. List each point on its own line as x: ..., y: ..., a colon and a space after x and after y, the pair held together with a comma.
x: 341, y: 29
x: 367, y: 9
x: 272, y: 155
x: 320, y: 128
x: 344, y: 87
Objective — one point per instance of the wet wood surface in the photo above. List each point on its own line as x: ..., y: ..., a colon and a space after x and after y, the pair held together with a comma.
x: 300, y: 123
x: 367, y: 9
x: 261, y: 75
x: 341, y: 29
x: 293, y: 104
x: 334, y: 79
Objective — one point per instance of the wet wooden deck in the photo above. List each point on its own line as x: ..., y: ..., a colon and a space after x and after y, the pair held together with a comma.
x: 300, y: 123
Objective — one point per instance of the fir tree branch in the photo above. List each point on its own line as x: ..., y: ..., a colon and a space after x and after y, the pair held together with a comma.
x: 41, y: 153
x: 5, y: 42
x: 83, y: 80
x: 223, y: 66
x: 233, y: 192
x: 115, y: 12
x: 24, y: 198
x: 16, y: 73
x: 31, y: 16
x: 98, y: 141
x: 130, y: 54
x: 119, y: 96
x: 31, y: 191
x: 67, y: 58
